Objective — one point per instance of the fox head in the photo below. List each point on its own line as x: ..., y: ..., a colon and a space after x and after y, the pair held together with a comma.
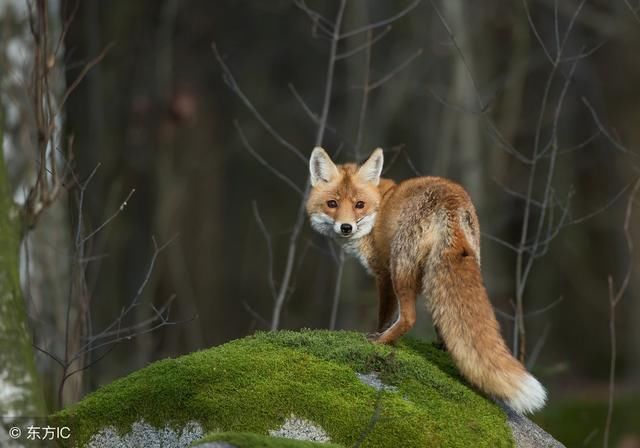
x: 344, y: 199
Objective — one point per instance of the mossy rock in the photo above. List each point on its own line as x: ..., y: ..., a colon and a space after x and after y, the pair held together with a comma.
x: 252, y: 440
x: 257, y: 383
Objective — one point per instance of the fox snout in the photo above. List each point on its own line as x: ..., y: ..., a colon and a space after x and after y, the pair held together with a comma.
x: 326, y: 225
x: 345, y: 229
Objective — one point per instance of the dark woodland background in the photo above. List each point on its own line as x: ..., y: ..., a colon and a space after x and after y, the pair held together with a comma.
x: 468, y: 90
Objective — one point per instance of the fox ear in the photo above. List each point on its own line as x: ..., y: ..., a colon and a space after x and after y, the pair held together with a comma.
x: 321, y: 167
x: 370, y: 170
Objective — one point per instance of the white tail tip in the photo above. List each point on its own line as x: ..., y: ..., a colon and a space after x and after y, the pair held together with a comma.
x: 530, y: 396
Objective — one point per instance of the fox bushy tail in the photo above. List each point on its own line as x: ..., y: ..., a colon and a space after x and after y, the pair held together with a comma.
x: 467, y: 324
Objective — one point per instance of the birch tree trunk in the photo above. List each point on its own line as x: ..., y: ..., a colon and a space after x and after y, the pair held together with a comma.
x: 20, y: 389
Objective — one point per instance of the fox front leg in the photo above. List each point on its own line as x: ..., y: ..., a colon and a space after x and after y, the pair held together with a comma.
x: 439, y: 342
x: 387, y: 305
x: 406, y: 294
x: 387, y: 302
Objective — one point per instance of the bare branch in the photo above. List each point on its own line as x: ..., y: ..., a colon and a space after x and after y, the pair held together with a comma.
x: 129, y: 337
x: 381, y: 23
x: 516, y: 194
x: 49, y: 354
x: 318, y: 20
x: 614, y: 299
x: 366, y: 46
x: 535, y: 353
x: 602, y: 128
x: 267, y: 240
x: 159, y: 314
x: 629, y: 239
x: 482, y: 108
x: 110, y: 218
x: 500, y: 241
x: 329, y: 80
x: 235, y: 88
x: 314, y: 117
x: 255, y: 314
x: 602, y: 208
x: 545, y: 308
x: 83, y: 73
x: 395, y: 71
x: 273, y: 170
x: 535, y: 31
x: 633, y: 11
x: 135, y: 301
x: 366, y: 88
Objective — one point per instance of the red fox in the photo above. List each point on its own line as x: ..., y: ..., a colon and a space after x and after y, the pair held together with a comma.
x: 421, y: 236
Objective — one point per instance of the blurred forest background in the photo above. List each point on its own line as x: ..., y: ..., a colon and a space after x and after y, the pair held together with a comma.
x: 158, y: 179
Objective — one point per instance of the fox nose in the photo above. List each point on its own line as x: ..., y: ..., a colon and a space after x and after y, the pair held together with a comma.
x: 346, y: 229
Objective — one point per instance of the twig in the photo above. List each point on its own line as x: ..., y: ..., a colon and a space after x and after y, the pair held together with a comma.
x: 263, y: 162
x: 533, y: 357
x: 632, y: 10
x: 535, y: 31
x: 235, y: 88
x: 317, y: 19
x: 329, y: 79
x: 396, y: 70
x: 381, y: 23
x: 523, y: 270
x: 254, y: 314
x: 110, y: 218
x: 123, y: 331
x: 366, y: 88
x: 84, y: 72
x: 614, y: 299
x: 314, y: 117
x: 366, y: 46
x: 267, y: 240
x: 134, y: 302
x: 482, y: 107
x: 602, y: 128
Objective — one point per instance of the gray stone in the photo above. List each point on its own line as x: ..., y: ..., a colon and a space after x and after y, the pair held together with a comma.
x: 527, y: 434
x: 372, y: 379
x: 144, y: 435
x: 216, y: 445
x: 300, y: 429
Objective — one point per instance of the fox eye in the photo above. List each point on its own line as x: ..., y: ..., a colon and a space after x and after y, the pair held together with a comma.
x: 332, y: 204
x: 359, y: 204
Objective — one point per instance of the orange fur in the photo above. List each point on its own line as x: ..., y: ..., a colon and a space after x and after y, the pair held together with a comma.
x: 422, y: 237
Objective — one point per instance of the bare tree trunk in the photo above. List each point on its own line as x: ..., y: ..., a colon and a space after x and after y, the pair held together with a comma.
x: 462, y: 140
x: 20, y: 388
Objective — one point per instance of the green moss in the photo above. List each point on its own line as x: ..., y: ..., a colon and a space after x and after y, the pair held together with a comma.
x: 581, y: 422
x: 254, y: 384
x: 16, y: 348
x: 251, y: 440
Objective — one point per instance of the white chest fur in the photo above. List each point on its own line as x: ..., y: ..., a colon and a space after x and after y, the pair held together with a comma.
x: 354, y: 248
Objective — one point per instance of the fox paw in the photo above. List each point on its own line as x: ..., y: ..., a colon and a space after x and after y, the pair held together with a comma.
x: 440, y: 345
x: 374, y: 337
x: 380, y: 338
